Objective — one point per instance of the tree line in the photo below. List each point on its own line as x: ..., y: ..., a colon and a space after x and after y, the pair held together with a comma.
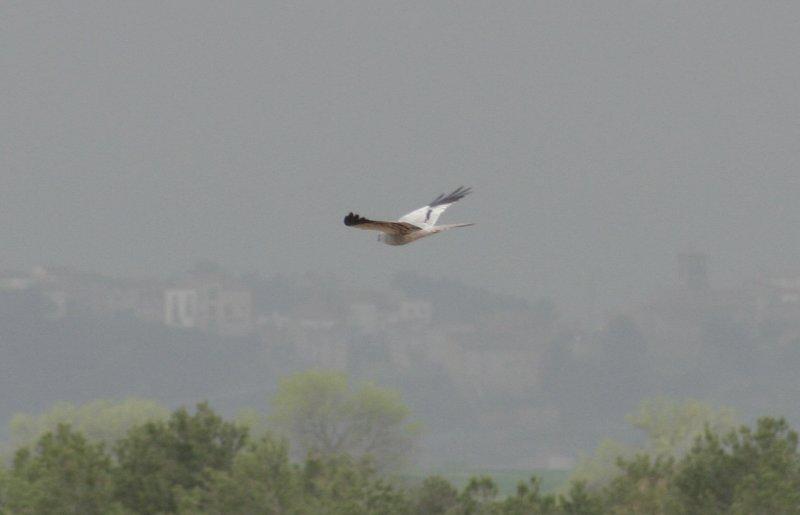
x: 199, y: 463
x: 336, y: 448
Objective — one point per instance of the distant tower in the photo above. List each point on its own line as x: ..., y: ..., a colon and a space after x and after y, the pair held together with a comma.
x: 693, y: 271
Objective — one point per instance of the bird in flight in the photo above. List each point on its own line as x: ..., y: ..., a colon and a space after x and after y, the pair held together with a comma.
x: 413, y: 226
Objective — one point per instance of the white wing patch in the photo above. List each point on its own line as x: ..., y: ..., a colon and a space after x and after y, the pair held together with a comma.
x: 428, y: 215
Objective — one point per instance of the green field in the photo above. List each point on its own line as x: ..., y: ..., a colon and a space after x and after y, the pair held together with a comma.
x: 506, y: 480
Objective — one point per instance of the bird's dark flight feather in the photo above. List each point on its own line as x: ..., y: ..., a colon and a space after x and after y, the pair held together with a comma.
x: 458, y: 194
x: 354, y: 219
x: 360, y: 222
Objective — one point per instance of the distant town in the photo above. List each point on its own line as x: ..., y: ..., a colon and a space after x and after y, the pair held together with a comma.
x: 215, y: 301
x: 532, y: 372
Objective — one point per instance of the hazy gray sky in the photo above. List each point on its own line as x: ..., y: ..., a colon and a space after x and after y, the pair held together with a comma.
x: 600, y: 137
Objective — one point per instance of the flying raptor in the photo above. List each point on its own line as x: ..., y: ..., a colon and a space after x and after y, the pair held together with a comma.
x: 413, y: 226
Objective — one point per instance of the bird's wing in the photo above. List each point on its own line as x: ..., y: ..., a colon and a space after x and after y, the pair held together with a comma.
x: 359, y: 222
x: 427, y: 216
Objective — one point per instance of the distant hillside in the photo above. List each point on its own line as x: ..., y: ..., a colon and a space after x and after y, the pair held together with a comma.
x: 453, y: 300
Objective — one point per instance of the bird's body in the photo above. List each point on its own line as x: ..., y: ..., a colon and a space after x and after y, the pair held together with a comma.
x: 402, y: 239
x: 413, y: 226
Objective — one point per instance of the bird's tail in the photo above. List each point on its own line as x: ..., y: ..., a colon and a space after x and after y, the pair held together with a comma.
x: 444, y: 227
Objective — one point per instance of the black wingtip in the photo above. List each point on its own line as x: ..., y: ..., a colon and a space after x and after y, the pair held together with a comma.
x: 353, y: 219
x: 458, y: 194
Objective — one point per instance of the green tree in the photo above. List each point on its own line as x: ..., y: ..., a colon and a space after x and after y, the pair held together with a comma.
x: 672, y: 426
x: 261, y: 481
x: 63, y: 474
x: 528, y: 500
x: 580, y: 501
x: 339, y: 485
x: 323, y: 415
x: 669, y: 426
x: 644, y: 486
x: 436, y: 496
x: 478, y: 496
x: 157, y: 460
x: 255, y: 421
x: 597, y: 469
x: 744, y: 471
x: 100, y: 420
